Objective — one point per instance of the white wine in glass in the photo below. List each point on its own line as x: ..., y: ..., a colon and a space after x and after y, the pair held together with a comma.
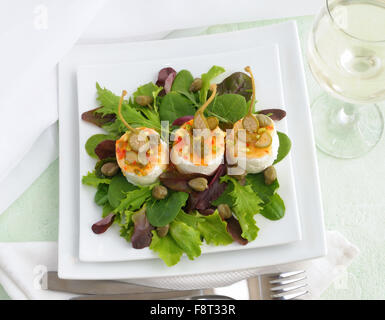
x: 346, y: 54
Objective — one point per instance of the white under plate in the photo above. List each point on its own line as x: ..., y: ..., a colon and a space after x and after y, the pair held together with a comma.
x: 171, y: 51
x: 264, y: 61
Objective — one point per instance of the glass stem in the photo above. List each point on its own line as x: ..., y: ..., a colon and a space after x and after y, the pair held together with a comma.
x: 346, y: 115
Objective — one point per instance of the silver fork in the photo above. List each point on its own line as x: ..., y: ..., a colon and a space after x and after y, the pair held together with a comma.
x: 278, y: 286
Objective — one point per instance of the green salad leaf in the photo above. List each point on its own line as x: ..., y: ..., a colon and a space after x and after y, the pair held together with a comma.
x: 245, y: 205
x: 118, y: 187
x: 101, y: 195
x: 273, y: 205
x: 152, y: 90
x: 274, y: 209
x: 257, y: 183
x: 134, y: 199
x: 110, y: 102
x: 284, y: 146
x: 107, y: 209
x: 182, y: 83
x: 185, y: 235
x: 230, y: 107
x: 206, y: 80
x: 92, y: 180
x: 174, y: 106
x: 161, y: 212
x: 166, y: 248
x: 94, y: 140
x: 126, y: 232
x: 238, y: 83
x: 213, y: 229
x: 126, y: 224
x: 187, y: 238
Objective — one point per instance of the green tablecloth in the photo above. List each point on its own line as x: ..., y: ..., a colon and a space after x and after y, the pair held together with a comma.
x: 353, y: 193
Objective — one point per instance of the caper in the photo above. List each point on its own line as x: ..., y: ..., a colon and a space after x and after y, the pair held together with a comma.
x: 263, y: 120
x: 200, y: 122
x: 131, y: 157
x: 109, y: 169
x: 144, y: 100
x: 159, y: 192
x: 212, y: 122
x: 270, y: 175
x: 136, y: 142
x: 224, y: 211
x: 198, y: 184
x: 264, y: 140
x: 244, y: 137
x: 196, y: 85
x: 250, y: 123
x: 162, y: 231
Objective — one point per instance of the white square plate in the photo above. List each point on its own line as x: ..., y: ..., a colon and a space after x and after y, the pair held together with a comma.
x: 299, y: 126
x: 264, y: 61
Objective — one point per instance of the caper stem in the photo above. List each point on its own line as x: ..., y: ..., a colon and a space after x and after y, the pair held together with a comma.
x: 124, y: 92
x: 213, y: 89
x: 248, y: 69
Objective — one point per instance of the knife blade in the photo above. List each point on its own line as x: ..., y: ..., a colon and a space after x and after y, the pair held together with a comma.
x: 142, y: 296
x: 98, y: 287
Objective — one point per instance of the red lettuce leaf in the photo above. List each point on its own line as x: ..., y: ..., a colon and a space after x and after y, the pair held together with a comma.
x: 235, y: 230
x: 182, y: 120
x: 166, y: 77
x: 177, y: 181
x: 142, y: 234
x: 274, y: 114
x: 97, y: 118
x: 105, y: 149
x: 102, y: 225
x: 207, y: 212
x: 202, y: 200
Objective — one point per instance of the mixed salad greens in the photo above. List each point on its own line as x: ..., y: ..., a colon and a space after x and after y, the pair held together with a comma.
x: 171, y: 216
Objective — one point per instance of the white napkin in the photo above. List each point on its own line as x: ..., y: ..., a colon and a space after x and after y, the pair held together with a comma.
x: 23, y: 264
x: 34, y: 36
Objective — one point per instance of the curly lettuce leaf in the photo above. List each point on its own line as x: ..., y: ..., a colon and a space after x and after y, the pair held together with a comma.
x: 133, y: 200
x: 166, y: 248
x: 110, y: 102
x: 187, y: 238
x: 245, y: 205
x: 213, y: 229
x: 92, y: 180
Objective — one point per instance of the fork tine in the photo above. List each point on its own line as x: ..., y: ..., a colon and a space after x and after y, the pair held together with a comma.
x: 289, y: 296
x: 286, y: 274
x: 287, y: 281
x: 277, y: 290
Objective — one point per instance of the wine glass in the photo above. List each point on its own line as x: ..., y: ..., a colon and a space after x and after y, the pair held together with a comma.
x: 346, y: 54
